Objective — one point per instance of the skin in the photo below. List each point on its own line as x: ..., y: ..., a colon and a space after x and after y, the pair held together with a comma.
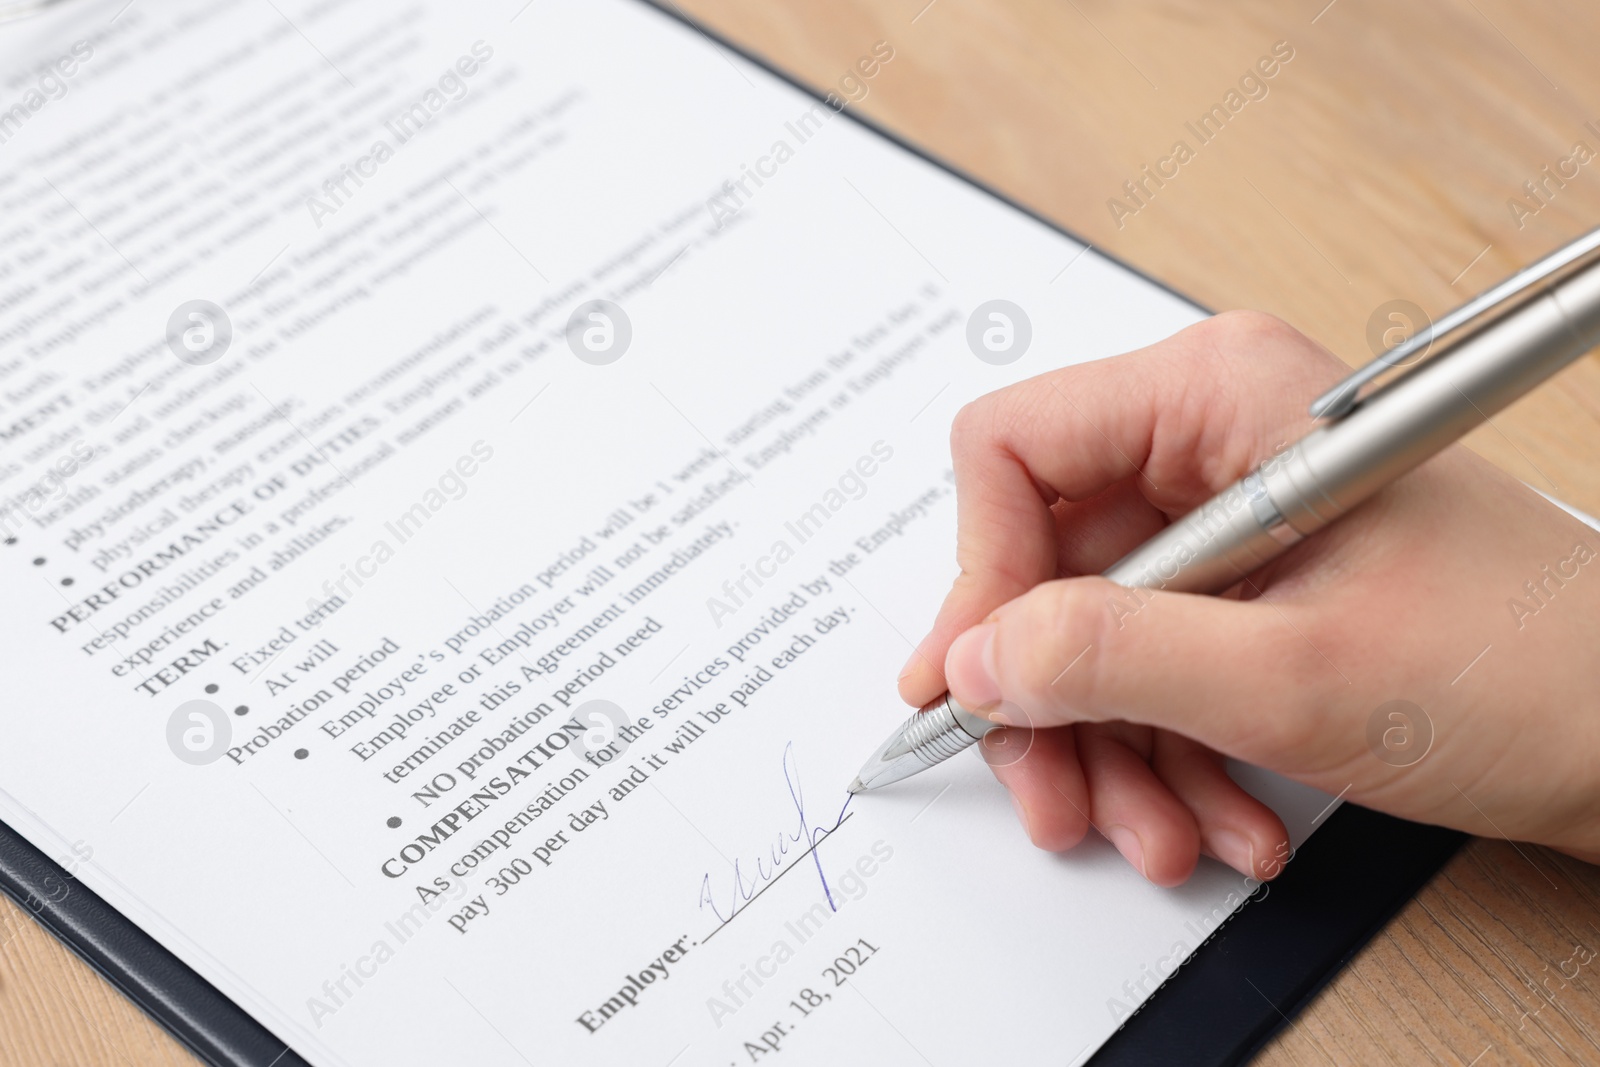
x: 1119, y: 719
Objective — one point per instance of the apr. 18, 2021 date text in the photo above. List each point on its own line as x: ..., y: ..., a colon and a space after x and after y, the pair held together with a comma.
x: 808, y: 1001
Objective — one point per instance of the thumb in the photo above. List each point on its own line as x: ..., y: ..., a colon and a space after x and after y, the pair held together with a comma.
x: 1236, y: 676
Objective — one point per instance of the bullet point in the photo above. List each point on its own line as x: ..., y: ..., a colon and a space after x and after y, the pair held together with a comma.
x: 394, y: 820
x: 212, y: 688
x: 66, y: 581
x: 301, y: 753
x: 242, y: 709
x: 39, y: 561
x: 11, y: 540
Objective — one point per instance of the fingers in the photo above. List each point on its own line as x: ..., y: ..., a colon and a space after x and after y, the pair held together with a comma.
x: 1134, y: 810
x: 1017, y: 515
x: 1237, y: 676
x: 1179, y: 421
x: 1159, y: 798
x: 1235, y: 827
x: 1040, y: 769
x: 1184, y: 417
x: 1094, y: 534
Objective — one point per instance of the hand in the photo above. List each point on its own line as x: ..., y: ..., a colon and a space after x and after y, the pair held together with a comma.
x: 1125, y: 706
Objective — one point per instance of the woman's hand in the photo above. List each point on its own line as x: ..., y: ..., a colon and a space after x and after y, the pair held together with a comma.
x: 1458, y: 590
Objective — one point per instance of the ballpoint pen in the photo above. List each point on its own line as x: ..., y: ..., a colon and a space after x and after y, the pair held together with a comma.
x: 1491, y: 350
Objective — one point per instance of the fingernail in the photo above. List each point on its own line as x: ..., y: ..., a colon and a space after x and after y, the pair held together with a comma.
x: 911, y: 665
x: 969, y: 668
x: 1022, y: 814
x: 1127, y: 843
x: 1234, y: 849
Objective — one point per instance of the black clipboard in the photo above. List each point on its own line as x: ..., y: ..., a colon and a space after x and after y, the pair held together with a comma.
x: 1223, y: 1004
x: 192, y: 1009
x: 1227, y: 1000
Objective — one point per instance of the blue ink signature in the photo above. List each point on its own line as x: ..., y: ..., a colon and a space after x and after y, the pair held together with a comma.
x: 746, y: 886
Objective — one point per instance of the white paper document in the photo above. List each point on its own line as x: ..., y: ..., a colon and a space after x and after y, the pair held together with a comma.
x: 469, y: 475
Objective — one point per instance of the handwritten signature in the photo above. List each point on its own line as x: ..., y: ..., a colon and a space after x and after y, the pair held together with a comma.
x: 727, y: 895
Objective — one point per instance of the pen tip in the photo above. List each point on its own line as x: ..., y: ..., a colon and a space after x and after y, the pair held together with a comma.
x: 855, y: 787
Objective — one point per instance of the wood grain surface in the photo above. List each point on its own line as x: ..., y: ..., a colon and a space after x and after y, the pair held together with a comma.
x: 1380, y: 165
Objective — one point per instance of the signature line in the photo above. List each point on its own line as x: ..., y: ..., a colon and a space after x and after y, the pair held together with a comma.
x: 775, y: 881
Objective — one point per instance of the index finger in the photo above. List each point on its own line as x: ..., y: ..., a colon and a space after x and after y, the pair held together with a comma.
x: 1178, y: 421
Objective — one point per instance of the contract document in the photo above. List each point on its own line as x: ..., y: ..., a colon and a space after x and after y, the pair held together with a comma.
x: 469, y: 475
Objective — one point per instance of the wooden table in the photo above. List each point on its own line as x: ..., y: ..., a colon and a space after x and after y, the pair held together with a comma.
x: 1379, y: 166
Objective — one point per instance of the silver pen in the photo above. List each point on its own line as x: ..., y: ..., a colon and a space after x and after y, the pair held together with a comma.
x: 1492, y: 350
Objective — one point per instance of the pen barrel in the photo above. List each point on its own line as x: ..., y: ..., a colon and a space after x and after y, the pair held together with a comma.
x: 1397, y: 428
x: 1421, y: 413
x: 1213, y: 546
